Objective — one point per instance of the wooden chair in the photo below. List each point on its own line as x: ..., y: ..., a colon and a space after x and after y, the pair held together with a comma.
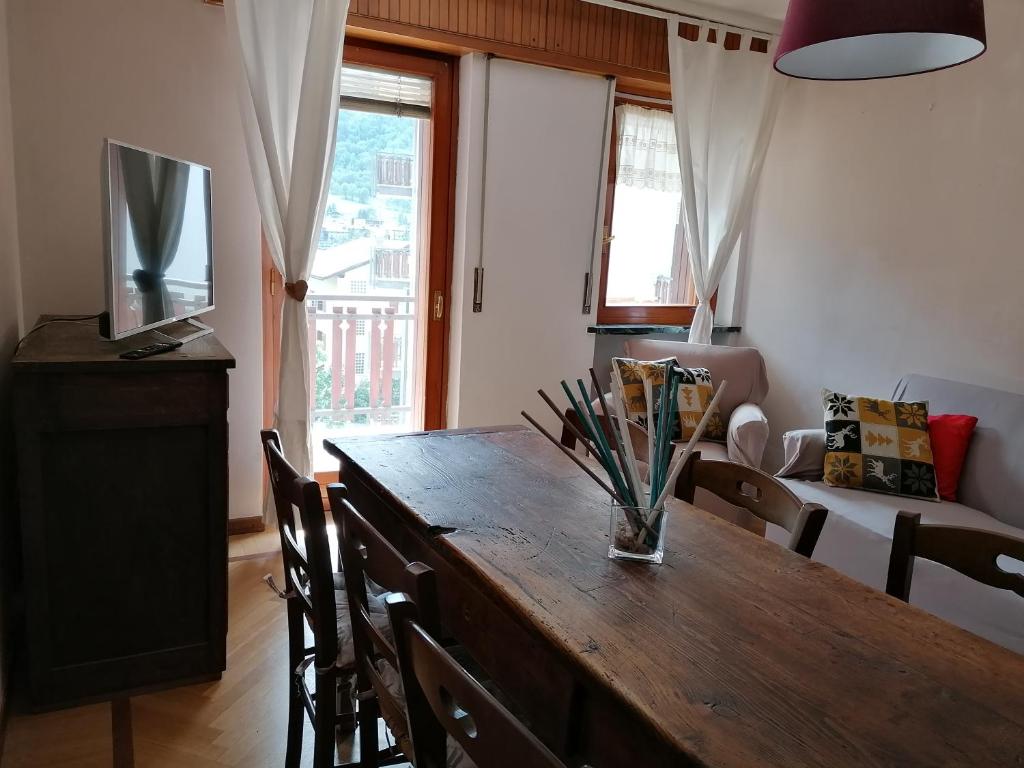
x: 372, y: 567
x: 444, y: 700
x: 971, y: 551
x: 314, y: 594
x: 758, y: 493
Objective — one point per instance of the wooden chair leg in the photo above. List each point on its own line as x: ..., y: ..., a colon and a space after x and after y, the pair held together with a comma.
x: 325, y: 721
x: 369, y: 746
x: 296, y: 721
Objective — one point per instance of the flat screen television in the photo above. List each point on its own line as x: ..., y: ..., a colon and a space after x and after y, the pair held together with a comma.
x: 159, y: 243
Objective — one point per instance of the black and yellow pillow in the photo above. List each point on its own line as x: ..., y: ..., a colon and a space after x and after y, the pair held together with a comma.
x: 695, y: 393
x: 878, y: 445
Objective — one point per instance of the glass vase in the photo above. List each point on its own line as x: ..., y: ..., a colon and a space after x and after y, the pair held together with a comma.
x: 631, y: 535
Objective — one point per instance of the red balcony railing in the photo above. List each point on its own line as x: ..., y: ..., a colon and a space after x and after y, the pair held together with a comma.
x: 358, y: 372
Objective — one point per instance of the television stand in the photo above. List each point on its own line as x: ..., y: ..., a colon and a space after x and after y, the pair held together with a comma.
x: 201, y: 330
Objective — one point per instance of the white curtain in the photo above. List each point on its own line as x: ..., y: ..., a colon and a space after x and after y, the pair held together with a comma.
x: 289, y: 52
x: 724, y: 105
x: 647, y: 157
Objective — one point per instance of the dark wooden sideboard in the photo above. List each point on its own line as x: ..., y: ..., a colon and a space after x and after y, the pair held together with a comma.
x: 122, y: 479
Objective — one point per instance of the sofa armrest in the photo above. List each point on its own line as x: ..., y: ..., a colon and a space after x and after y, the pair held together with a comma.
x: 805, y: 454
x: 747, y: 435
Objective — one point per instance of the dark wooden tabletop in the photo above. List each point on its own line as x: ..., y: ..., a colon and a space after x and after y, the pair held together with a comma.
x: 737, y: 651
x: 58, y: 344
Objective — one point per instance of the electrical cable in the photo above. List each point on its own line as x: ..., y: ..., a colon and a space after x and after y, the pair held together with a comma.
x: 55, y: 320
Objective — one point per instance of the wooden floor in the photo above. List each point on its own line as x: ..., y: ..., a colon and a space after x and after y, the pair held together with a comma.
x: 238, y: 721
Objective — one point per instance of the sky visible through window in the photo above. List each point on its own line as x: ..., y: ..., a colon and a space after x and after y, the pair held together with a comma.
x: 644, y: 225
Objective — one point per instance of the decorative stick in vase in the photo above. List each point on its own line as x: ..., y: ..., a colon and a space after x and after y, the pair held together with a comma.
x: 659, y: 506
x: 574, y: 457
x: 620, y: 452
x: 591, y: 448
x: 649, y: 397
x: 619, y: 401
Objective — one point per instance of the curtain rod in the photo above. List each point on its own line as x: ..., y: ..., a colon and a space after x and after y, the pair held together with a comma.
x: 736, y: 19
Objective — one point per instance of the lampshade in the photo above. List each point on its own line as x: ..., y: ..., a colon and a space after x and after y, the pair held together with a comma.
x: 867, y: 39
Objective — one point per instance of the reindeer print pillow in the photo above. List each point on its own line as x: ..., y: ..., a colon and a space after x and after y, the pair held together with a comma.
x: 878, y: 445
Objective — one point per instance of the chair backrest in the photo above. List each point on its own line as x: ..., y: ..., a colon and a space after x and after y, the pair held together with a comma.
x: 444, y: 699
x: 308, y: 571
x: 758, y: 493
x: 971, y: 551
x: 368, y: 559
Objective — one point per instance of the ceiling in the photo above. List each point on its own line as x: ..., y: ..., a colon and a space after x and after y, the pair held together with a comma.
x: 772, y: 9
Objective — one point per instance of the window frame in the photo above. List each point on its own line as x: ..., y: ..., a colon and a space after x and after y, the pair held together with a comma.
x: 632, y: 314
x: 443, y: 69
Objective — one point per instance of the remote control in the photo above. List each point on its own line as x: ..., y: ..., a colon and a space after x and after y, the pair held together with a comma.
x: 153, y: 349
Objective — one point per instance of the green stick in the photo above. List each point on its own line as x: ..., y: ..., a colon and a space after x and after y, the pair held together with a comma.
x: 596, y: 436
x: 619, y: 450
x: 668, y: 403
x: 603, y: 438
x: 659, y: 437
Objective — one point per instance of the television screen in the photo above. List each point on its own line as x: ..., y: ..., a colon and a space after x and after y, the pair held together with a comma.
x: 159, y: 255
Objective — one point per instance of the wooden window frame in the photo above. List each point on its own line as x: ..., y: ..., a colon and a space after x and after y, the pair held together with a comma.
x: 443, y: 70
x: 632, y: 314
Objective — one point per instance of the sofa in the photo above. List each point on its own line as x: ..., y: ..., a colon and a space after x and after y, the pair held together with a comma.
x: 857, y: 537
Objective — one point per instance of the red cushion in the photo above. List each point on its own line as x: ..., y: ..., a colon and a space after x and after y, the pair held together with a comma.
x: 950, y: 436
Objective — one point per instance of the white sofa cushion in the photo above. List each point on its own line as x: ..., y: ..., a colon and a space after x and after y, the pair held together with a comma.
x: 857, y: 540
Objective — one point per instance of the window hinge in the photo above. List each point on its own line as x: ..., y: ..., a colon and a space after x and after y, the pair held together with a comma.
x: 438, y: 305
x: 607, y: 239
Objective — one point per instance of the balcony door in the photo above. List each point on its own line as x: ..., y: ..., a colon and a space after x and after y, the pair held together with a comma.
x: 378, y: 292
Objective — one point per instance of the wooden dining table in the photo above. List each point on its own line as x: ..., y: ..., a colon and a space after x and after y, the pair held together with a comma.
x: 733, y: 652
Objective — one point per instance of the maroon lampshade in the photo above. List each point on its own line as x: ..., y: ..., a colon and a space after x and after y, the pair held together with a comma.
x: 868, y: 39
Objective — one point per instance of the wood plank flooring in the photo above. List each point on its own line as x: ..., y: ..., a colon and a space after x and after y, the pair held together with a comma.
x: 237, y: 721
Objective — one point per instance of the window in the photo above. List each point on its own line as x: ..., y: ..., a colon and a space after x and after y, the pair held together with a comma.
x: 645, y: 275
x: 360, y: 363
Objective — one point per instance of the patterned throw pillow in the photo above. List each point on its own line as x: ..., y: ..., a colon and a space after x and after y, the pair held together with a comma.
x: 695, y: 392
x: 633, y: 374
x: 878, y: 445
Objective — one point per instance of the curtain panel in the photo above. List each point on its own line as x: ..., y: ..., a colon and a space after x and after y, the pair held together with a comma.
x: 724, y: 106
x: 647, y: 156
x: 288, y: 53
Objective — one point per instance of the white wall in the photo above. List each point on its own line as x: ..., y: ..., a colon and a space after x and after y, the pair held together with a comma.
x: 544, y: 156
x: 10, y: 300
x: 153, y: 73
x: 889, y: 233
